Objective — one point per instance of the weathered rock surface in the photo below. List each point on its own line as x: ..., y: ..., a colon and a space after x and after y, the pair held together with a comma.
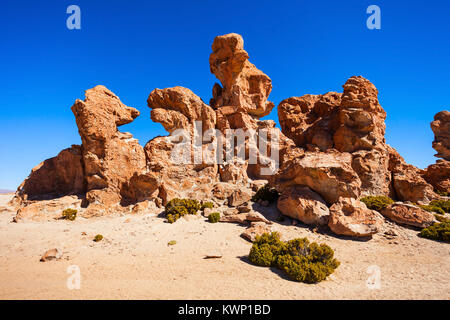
x: 438, y: 175
x: 47, y: 210
x: 351, y: 217
x: 407, y: 180
x: 331, y: 151
x: 327, y: 173
x: 179, y: 108
x: 244, y: 217
x: 110, y: 157
x: 408, y: 214
x: 441, y: 129
x: 243, y: 85
x: 55, y: 177
x: 300, y: 202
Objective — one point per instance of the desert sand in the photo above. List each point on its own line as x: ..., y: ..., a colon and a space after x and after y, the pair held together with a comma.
x: 134, y: 261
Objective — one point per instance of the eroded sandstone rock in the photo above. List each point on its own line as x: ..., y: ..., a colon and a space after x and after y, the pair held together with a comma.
x: 351, y: 217
x: 110, y: 157
x: 243, y: 85
x: 408, y: 214
x: 441, y: 129
x: 55, y: 177
x: 300, y: 202
x: 327, y: 173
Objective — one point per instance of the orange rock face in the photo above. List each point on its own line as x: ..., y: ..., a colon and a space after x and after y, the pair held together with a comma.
x: 110, y: 157
x: 243, y: 85
x: 350, y: 217
x: 330, y: 152
x: 438, y: 174
x: 441, y: 129
x: 55, y: 177
x: 409, y: 215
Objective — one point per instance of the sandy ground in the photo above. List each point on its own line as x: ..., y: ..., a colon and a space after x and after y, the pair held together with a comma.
x: 134, y: 261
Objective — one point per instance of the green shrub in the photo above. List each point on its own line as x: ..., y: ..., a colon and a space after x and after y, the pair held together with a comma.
x: 377, y: 203
x: 442, y: 193
x: 441, y: 218
x: 172, y: 243
x: 431, y: 208
x: 265, y: 193
x: 301, y: 260
x: 176, y: 208
x: 69, y: 214
x: 438, y: 231
x: 208, y: 204
x: 443, y: 204
x: 214, y: 217
x: 98, y: 238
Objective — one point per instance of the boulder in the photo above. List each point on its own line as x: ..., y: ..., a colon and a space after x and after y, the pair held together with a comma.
x: 300, y: 202
x: 409, y: 215
x: 239, y: 197
x: 244, y: 217
x: 351, y: 217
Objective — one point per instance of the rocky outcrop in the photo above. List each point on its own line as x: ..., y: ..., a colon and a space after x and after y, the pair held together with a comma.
x: 300, y: 202
x: 179, y: 108
x: 353, y: 123
x: 243, y: 85
x: 438, y: 174
x: 351, y: 217
x: 407, y: 180
x: 327, y: 173
x: 55, y: 177
x: 110, y: 157
x: 330, y: 152
x: 409, y: 215
x: 441, y: 129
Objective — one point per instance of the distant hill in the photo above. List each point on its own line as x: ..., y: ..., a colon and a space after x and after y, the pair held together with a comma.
x: 6, y: 191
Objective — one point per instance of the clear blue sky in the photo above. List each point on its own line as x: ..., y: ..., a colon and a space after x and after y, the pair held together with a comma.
x: 132, y: 47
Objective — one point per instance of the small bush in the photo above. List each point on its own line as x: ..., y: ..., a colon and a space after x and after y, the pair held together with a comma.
x: 443, y: 204
x: 214, y: 217
x: 69, y: 214
x: 172, y: 243
x: 441, y: 218
x: 265, y: 193
x: 301, y: 260
x: 176, y: 208
x: 431, y: 208
x: 438, y: 231
x: 377, y: 203
x: 98, y: 238
x: 208, y: 204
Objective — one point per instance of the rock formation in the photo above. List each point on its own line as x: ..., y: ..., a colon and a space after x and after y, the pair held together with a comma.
x: 351, y: 123
x: 441, y: 129
x: 330, y: 152
x: 438, y: 174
